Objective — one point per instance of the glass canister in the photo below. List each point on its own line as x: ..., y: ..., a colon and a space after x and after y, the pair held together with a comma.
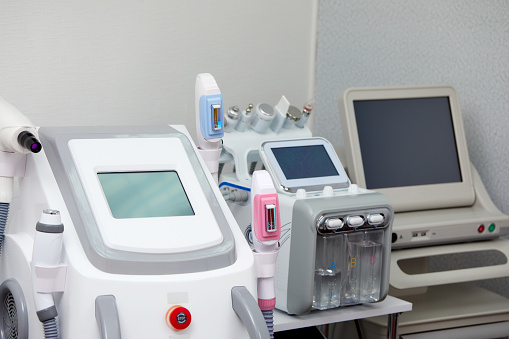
x: 329, y: 252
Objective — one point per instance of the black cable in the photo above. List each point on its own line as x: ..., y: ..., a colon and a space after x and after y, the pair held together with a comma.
x: 358, y: 327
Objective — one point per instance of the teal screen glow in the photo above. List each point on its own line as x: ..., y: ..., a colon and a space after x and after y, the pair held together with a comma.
x: 145, y: 194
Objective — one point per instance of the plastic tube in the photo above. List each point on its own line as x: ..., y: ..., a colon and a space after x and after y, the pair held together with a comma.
x: 268, y: 315
x: 50, y: 329
x: 4, y: 214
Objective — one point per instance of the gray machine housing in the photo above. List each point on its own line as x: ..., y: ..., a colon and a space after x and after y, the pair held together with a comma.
x: 306, y: 217
x: 301, y: 226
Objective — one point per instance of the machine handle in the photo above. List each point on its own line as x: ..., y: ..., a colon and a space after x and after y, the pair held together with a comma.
x: 247, y: 309
x: 106, y: 314
x: 402, y: 280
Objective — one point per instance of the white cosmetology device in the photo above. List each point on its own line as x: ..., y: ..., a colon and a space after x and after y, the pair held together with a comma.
x: 266, y: 231
x: 408, y: 142
x: 241, y: 144
x: 150, y: 248
x: 437, y: 194
x: 209, y: 120
x: 335, y: 237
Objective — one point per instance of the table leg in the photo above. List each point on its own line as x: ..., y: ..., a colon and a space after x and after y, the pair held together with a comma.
x: 392, y: 326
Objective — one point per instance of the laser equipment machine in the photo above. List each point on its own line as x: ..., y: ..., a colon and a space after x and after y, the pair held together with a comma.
x: 409, y: 143
x: 119, y: 232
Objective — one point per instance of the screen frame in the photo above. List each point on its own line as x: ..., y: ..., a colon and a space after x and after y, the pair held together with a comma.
x: 108, y: 196
x: 283, y: 184
x: 159, y: 234
x: 409, y: 198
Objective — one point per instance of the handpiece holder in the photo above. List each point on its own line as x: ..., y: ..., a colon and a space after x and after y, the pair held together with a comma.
x: 48, y: 275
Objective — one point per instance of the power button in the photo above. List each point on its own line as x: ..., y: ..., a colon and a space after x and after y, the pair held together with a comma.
x: 178, y: 318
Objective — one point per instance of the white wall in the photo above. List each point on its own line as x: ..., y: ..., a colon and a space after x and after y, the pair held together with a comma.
x: 400, y: 42
x: 135, y: 62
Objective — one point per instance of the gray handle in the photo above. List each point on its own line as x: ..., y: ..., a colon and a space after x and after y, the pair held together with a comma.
x: 247, y: 309
x: 106, y: 315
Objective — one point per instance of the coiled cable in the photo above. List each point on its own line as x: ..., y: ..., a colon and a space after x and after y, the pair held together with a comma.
x: 268, y: 315
x: 50, y: 329
x: 4, y: 214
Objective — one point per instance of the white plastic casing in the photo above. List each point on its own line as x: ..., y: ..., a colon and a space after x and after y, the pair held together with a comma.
x: 12, y: 123
x: 262, y: 184
x: 166, y: 234
x: 142, y: 300
x: 46, y: 253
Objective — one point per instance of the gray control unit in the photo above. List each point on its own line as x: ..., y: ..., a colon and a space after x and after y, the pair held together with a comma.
x: 336, y: 237
x: 338, y: 252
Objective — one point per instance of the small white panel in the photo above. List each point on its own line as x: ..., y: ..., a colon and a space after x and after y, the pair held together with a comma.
x: 150, y: 235
x: 50, y: 279
x: 175, y: 298
x: 12, y: 164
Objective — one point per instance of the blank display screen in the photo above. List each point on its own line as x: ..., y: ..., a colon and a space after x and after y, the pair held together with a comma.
x: 145, y: 194
x: 407, y: 142
x: 303, y: 162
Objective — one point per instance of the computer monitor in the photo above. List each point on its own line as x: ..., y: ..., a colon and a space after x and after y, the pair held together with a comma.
x: 409, y: 144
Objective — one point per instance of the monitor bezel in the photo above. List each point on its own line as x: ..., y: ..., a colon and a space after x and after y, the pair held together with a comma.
x: 409, y: 198
x: 283, y: 184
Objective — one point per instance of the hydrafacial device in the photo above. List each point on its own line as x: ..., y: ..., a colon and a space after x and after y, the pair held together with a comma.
x: 119, y: 232
x: 335, y: 237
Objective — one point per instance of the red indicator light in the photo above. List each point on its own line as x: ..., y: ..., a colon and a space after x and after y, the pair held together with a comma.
x: 480, y: 229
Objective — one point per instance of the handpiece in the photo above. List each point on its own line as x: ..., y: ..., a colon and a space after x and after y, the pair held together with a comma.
x: 18, y: 137
x: 266, y: 231
x: 265, y: 219
x: 306, y: 112
x: 17, y: 133
x: 209, y: 120
x: 209, y: 112
x: 46, y: 254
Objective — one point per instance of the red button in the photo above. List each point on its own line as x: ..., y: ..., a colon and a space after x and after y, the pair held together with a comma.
x: 480, y: 229
x: 178, y: 317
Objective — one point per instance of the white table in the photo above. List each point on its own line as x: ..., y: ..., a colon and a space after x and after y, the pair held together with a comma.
x: 390, y: 306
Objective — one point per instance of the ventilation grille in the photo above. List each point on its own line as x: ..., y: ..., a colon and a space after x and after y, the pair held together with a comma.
x: 10, y: 317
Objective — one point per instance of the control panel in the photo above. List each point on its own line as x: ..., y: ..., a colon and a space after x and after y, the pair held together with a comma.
x: 334, y: 222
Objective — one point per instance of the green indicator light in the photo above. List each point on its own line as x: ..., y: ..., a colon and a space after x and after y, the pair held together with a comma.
x: 491, y: 228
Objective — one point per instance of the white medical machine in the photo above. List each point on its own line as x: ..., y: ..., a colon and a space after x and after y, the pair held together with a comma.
x: 121, y: 232
x: 335, y: 237
x: 409, y: 144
